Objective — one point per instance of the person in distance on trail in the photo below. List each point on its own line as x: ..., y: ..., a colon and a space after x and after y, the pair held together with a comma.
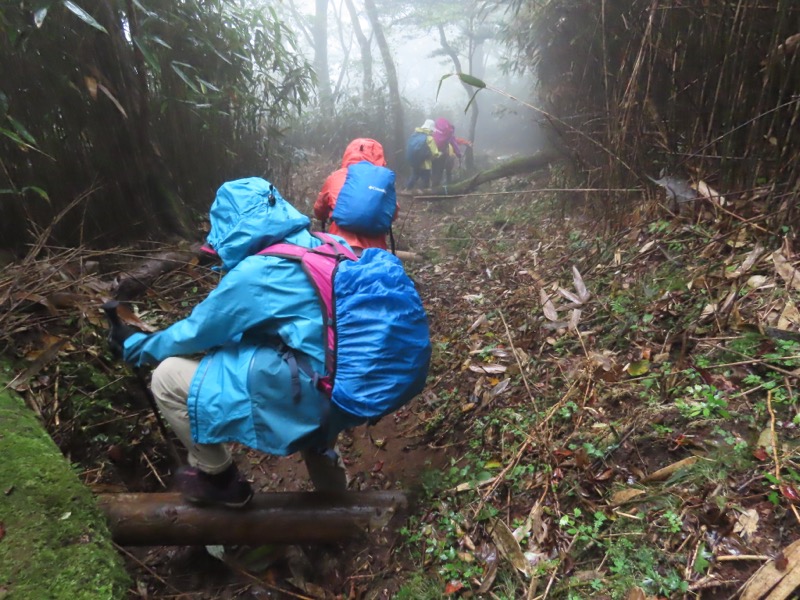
x: 421, y: 150
x: 446, y: 142
x: 357, y: 151
x: 262, y: 329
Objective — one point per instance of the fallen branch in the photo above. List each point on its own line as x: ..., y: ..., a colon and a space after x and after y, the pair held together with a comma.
x: 516, y: 166
x: 279, y: 517
x: 132, y: 284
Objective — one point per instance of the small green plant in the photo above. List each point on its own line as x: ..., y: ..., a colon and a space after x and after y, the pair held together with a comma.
x: 701, y: 400
x: 660, y: 226
x: 569, y: 409
x: 673, y: 521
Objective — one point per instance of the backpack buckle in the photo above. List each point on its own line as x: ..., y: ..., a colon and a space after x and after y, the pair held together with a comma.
x: 323, y: 384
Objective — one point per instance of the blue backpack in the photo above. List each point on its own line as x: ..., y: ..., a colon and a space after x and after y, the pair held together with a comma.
x: 417, y: 150
x: 367, y: 201
x: 376, y: 338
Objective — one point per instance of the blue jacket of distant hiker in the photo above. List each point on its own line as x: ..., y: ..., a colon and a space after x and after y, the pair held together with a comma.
x: 263, y: 305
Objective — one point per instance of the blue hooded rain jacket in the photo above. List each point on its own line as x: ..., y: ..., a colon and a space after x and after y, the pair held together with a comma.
x: 242, y: 390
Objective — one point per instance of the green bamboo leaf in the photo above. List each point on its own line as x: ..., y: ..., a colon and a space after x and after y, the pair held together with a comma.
x: 159, y: 41
x: 470, y: 80
x: 83, y: 15
x: 39, y: 15
x: 148, y: 57
x: 37, y: 190
x: 210, y: 86
x: 439, y: 89
x: 144, y: 9
x: 13, y: 137
x: 20, y: 129
x: 471, y: 100
x: 184, y: 76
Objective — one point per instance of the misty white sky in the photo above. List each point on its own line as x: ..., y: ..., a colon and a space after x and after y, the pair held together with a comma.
x: 419, y: 74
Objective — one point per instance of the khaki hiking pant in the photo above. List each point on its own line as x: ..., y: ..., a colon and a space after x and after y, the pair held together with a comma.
x: 170, y: 385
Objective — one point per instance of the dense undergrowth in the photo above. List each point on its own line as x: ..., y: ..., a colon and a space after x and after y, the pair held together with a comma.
x: 621, y: 407
x: 617, y: 407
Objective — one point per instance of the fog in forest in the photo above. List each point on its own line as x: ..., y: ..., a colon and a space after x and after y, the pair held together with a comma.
x: 504, y: 127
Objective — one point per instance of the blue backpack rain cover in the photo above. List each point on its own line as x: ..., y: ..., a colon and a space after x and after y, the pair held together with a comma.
x: 367, y: 201
x: 376, y: 338
x: 383, y: 347
x: 417, y: 150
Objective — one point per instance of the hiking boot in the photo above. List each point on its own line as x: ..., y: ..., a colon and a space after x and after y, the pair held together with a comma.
x: 228, y: 488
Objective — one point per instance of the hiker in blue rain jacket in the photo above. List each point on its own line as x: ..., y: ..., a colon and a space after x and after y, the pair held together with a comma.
x: 259, y: 326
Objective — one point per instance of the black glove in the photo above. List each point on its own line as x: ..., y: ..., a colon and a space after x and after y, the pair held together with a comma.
x: 117, y: 335
x: 119, y: 331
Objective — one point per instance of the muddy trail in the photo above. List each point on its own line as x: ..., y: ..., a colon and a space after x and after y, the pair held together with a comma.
x: 610, y: 413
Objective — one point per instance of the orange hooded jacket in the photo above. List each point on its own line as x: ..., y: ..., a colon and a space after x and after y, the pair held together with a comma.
x: 358, y: 150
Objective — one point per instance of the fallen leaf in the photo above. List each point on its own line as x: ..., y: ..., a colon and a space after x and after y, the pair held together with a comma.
x: 574, y: 319
x: 789, y: 492
x: 624, y: 496
x: 570, y: 296
x: 548, y: 308
x: 466, y: 557
x: 508, y: 546
x: 647, y: 246
x: 787, y: 272
x: 790, y: 316
x: 489, y: 573
x: 760, y: 454
x: 604, y: 475
x: 636, y: 593
x: 580, y: 287
x: 765, y: 440
x: 757, y: 281
x: 490, y: 369
x: 709, y: 193
x: 747, y: 523
x: 452, y: 587
x: 520, y: 532
x: 708, y: 310
x: 748, y: 263
x: 478, y: 322
x: 666, y: 472
x: 637, y: 368
x: 500, y: 388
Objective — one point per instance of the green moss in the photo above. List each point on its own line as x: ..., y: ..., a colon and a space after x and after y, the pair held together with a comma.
x: 55, y: 543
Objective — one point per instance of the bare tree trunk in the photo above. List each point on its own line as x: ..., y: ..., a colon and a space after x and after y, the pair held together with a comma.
x: 346, y: 47
x: 366, y: 54
x: 474, y: 109
x: 395, y: 146
x: 276, y: 517
x: 320, y: 32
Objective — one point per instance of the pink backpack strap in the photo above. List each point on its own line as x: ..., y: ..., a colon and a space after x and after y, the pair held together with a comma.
x: 284, y: 250
x: 341, y: 249
x: 319, y: 265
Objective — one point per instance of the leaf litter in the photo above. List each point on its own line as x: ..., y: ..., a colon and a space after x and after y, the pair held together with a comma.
x: 612, y: 434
